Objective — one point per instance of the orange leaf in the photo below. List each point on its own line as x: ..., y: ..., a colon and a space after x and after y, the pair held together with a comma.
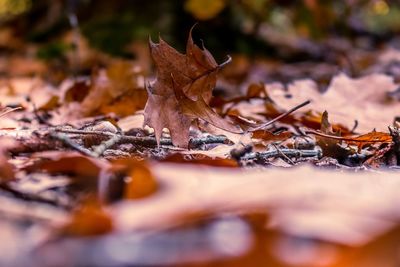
x: 372, y: 137
x: 89, y: 220
x: 270, y: 137
x: 68, y: 162
x: 139, y: 181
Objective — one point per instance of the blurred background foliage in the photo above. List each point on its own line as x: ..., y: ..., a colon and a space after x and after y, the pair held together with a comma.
x: 250, y: 27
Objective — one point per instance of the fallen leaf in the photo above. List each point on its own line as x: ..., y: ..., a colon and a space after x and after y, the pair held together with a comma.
x: 76, y: 92
x: 126, y: 104
x: 131, y: 122
x: 372, y: 137
x: 330, y: 147
x: 204, y: 9
x: 89, y: 219
x: 24, y: 66
x: 329, y: 140
x: 6, y: 168
x: 44, y: 97
x: 267, y: 137
x: 139, y: 180
x: 347, y: 100
x: 85, y: 172
x: 14, y: 91
x: 181, y: 91
x: 200, y: 109
x: 303, y: 201
x: 379, y: 158
x: 67, y: 162
x: 118, y: 89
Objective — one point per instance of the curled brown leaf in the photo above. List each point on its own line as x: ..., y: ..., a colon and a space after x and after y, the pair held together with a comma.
x: 182, y: 91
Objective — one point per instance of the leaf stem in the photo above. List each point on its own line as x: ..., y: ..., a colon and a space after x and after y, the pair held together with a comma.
x: 348, y: 139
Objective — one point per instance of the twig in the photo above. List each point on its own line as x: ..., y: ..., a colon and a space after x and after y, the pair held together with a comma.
x: 286, y: 151
x: 83, y: 132
x: 280, y: 116
x: 7, y: 110
x: 283, y: 154
x: 148, y: 141
x: 99, y: 150
x: 196, y: 142
x: 55, y: 138
x: 68, y: 142
x: 238, y: 153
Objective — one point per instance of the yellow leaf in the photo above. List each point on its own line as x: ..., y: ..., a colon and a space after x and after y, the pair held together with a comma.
x: 204, y: 9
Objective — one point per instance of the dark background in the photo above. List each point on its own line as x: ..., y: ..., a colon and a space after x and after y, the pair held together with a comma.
x: 287, y: 29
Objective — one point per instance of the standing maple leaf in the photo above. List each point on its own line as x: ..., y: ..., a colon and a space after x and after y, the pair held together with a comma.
x: 182, y: 91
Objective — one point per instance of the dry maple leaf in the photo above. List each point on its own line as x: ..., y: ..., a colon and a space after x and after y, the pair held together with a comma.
x: 182, y: 91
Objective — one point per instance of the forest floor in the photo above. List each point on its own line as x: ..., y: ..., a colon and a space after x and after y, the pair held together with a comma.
x: 251, y: 162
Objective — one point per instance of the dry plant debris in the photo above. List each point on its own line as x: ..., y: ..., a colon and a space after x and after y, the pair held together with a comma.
x: 198, y: 176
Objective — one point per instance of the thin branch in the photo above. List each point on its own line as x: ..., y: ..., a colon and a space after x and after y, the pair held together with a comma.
x: 280, y: 116
x: 286, y: 151
x: 196, y: 142
x: 84, y: 132
x: 7, y: 110
x: 283, y: 154
x: 68, y: 142
x: 99, y: 150
x: 148, y: 141
x: 55, y: 138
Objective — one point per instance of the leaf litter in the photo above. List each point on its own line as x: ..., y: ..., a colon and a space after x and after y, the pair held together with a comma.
x: 238, y: 179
